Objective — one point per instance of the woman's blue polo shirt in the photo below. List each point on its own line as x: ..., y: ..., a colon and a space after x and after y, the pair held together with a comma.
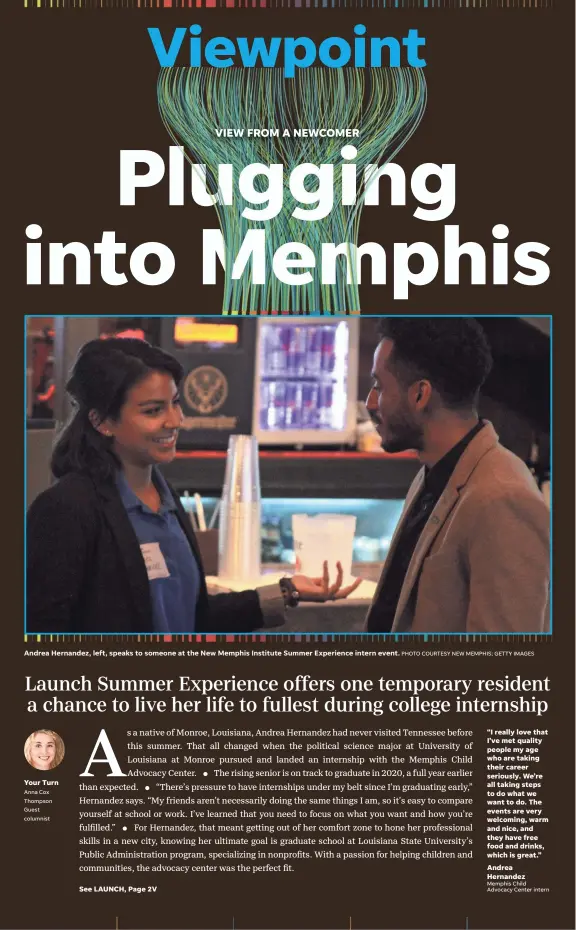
x: 173, y: 573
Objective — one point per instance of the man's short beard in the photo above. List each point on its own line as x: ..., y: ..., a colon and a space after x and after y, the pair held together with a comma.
x: 405, y: 438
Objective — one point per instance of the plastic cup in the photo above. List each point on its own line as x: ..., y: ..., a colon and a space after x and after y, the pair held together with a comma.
x: 240, y: 511
x: 324, y: 537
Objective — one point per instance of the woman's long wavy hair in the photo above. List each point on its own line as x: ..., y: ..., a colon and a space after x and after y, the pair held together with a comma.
x: 103, y: 373
x: 58, y: 747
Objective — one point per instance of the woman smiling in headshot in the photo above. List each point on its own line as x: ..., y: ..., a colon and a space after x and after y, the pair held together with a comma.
x: 110, y: 548
x: 44, y: 750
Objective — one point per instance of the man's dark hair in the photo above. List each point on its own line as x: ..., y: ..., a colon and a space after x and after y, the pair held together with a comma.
x: 451, y: 352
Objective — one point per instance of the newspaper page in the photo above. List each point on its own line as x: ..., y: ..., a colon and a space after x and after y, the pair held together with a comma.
x: 289, y: 635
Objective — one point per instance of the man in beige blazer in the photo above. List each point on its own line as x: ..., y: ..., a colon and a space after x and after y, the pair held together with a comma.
x: 471, y: 552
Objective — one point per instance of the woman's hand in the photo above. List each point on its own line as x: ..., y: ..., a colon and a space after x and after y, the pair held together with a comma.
x: 320, y: 589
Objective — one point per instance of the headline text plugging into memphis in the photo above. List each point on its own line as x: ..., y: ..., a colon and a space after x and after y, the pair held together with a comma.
x: 259, y: 194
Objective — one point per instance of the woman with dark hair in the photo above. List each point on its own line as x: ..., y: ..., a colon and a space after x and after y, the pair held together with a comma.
x: 110, y: 548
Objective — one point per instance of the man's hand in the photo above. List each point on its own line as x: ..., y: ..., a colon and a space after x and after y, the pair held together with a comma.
x: 320, y: 589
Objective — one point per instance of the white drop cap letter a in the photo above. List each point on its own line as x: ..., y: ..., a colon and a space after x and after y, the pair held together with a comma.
x: 110, y: 759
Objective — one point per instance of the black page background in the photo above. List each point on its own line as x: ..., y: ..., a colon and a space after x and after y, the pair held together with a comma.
x: 82, y: 86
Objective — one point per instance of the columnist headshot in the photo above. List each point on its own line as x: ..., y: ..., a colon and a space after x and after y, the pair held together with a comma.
x: 110, y: 548
x: 470, y: 553
x: 44, y: 750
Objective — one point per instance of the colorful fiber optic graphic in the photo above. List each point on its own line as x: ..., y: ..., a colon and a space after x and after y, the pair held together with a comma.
x: 384, y: 104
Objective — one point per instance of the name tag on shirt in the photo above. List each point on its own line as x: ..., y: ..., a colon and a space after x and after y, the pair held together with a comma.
x: 154, y: 561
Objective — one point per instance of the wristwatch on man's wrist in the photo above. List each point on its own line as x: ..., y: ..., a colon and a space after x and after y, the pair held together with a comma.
x: 290, y: 592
